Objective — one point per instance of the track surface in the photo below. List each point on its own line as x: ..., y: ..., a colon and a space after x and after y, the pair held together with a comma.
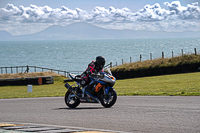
x: 150, y: 114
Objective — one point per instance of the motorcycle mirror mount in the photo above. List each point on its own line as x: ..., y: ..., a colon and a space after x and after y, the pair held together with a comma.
x: 101, y: 75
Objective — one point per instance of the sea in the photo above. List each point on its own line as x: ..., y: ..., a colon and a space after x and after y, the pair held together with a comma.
x: 75, y: 55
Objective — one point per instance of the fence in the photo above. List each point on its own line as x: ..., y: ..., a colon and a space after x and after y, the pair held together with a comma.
x: 151, y: 57
x: 26, y: 69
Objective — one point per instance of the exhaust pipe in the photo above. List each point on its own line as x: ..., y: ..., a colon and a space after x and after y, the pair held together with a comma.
x: 68, y: 86
x: 71, y: 90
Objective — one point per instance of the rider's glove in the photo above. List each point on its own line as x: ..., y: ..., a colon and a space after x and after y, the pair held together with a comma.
x: 93, y: 74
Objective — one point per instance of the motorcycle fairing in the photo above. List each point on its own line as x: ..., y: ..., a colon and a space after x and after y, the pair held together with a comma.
x: 72, y: 76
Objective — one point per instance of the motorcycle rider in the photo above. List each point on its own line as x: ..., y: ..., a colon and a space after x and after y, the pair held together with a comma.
x: 93, y: 68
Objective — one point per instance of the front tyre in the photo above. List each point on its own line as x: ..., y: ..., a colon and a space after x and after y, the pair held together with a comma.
x: 71, y: 100
x: 108, y: 100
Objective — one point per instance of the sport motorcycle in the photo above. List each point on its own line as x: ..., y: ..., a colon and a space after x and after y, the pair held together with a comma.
x: 103, y: 88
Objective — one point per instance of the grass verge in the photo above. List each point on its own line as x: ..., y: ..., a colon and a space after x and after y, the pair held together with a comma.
x: 51, y: 90
x: 178, y: 85
x: 158, y: 63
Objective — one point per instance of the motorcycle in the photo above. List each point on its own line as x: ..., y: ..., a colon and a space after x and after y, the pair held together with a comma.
x: 103, y: 87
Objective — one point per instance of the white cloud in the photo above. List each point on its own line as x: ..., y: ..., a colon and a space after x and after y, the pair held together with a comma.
x: 151, y: 17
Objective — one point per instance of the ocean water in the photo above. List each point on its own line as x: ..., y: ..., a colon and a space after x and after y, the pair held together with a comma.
x: 74, y: 55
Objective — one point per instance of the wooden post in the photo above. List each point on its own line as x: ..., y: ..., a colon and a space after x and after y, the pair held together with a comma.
x: 11, y: 69
x: 130, y: 60
x: 116, y: 63
x: 111, y: 64
x: 27, y: 69
x: 150, y: 56
x: 140, y: 57
x: 162, y: 55
x: 122, y: 61
x: 172, y: 54
x: 16, y: 69
x: 65, y: 74
x: 35, y: 68
x: 182, y: 52
x: 195, y: 51
x: 6, y: 70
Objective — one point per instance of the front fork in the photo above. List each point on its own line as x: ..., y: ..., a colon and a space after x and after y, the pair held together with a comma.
x: 106, y: 90
x: 107, y: 94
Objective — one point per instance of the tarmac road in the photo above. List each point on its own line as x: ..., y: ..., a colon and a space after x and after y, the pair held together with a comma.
x: 143, y: 114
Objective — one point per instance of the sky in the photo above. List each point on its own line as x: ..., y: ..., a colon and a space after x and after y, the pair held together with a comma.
x: 20, y: 17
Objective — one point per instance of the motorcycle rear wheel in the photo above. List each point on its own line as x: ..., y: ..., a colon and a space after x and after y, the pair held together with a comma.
x: 70, y: 100
x: 109, y: 100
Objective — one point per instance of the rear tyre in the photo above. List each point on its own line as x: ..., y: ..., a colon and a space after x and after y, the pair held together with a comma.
x: 108, y: 100
x: 70, y: 100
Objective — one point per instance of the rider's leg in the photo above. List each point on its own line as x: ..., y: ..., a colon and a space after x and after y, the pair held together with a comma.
x: 90, y: 89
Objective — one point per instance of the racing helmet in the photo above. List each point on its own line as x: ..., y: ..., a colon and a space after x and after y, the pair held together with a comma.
x: 100, y: 62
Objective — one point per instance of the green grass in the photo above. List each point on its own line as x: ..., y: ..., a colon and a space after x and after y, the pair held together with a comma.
x: 51, y: 90
x: 178, y: 84
x: 158, y: 63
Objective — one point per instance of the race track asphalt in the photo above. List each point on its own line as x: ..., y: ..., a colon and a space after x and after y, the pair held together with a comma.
x: 136, y: 114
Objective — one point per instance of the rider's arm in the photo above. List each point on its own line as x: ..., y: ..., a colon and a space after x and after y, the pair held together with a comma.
x: 91, y: 68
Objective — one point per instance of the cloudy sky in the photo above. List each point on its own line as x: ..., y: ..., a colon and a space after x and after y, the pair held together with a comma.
x: 20, y: 17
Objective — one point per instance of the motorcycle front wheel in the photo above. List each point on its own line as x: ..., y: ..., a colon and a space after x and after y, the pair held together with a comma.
x: 71, y: 100
x: 108, y: 100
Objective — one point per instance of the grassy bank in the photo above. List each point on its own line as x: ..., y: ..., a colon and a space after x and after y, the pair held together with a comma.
x: 30, y: 74
x: 158, y: 63
x: 177, y: 84
x: 51, y: 90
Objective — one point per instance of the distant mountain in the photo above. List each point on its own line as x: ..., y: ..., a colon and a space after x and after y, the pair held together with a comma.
x: 87, y: 31
x: 5, y: 36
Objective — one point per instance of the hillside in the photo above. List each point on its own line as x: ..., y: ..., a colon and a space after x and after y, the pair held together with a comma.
x: 179, y: 64
x: 5, y: 36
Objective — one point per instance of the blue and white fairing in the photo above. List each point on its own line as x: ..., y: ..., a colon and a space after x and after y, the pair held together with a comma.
x: 107, y: 78
x: 72, y: 76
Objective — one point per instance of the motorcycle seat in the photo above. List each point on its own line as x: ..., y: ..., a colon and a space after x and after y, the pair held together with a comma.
x: 75, y: 77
